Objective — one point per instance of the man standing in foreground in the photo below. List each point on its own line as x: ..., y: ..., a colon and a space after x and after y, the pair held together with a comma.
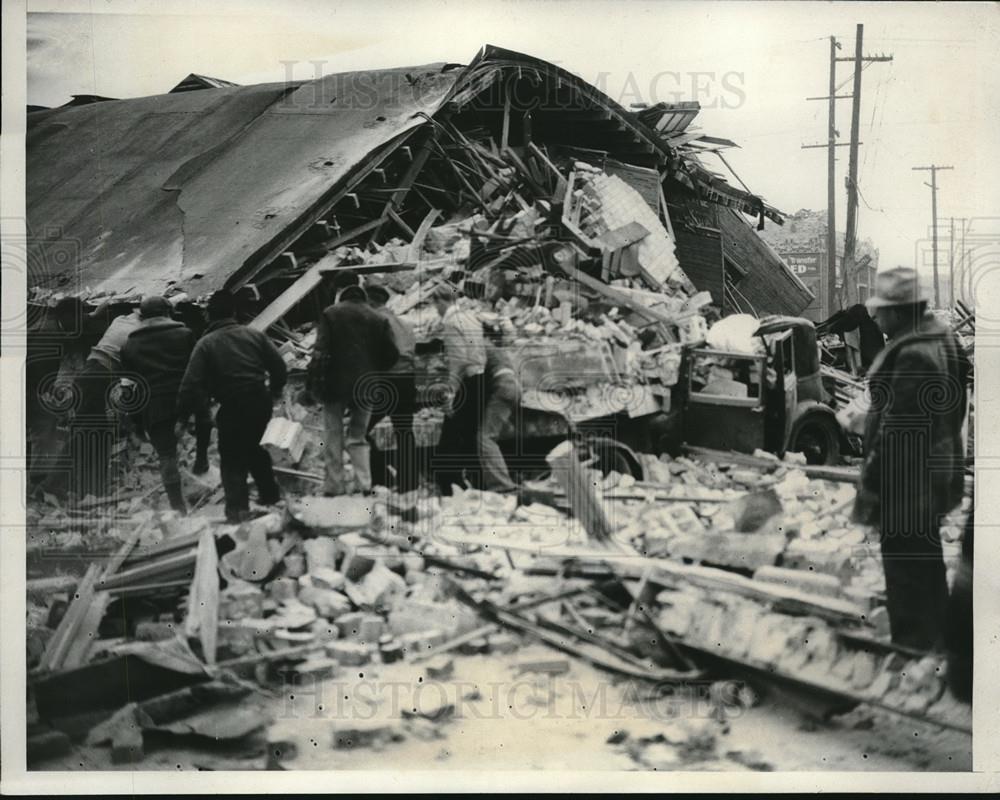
x: 914, y: 464
x: 354, y: 350
x: 244, y: 371
x: 157, y: 352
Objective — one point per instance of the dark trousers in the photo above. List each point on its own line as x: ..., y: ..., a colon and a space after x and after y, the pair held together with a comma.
x: 457, y: 449
x: 403, y: 391
x: 202, y: 432
x: 916, y: 584
x: 164, y: 440
x: 241, y: 422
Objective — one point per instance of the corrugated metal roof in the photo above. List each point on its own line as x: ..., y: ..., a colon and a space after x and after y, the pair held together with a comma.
x: 201, y: 188
x: 192, y: 187
x: 194, y: 82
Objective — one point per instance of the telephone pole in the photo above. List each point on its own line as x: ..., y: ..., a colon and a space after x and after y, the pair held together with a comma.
x: 831, y: 180
x: 951, y: 265
x: 831, y: 185
x: 933, y: 169
x: 850, y: 226
x: 965, y: 277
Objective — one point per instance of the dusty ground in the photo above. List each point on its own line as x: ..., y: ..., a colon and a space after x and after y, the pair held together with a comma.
x: 504, y: 719
x: 508, y: 719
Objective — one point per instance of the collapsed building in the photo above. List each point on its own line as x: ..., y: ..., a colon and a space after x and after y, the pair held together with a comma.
x: 231, y: 186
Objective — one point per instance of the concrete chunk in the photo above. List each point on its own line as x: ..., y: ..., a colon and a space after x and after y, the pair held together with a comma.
x: 549, y: 666
x: 350, y: 654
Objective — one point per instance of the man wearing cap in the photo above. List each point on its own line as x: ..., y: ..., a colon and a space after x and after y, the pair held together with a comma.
x: 157, y: 354
x: 353, y: 353
x: 242, y: 369
x: 914, y: 454
x: 402, y: 383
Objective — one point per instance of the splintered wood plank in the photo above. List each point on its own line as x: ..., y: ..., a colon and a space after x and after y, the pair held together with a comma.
x: 86, y: 632
x: 203, y: 600
x: 308, y: 281
x: 418, y: 238
x: 63, y: 638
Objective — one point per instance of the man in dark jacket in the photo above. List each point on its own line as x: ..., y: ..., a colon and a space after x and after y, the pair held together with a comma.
x: 237, y: 366
x: 157, y: 354
x: 913, y: 471
x: 354, y: 351
x: 403, y: 399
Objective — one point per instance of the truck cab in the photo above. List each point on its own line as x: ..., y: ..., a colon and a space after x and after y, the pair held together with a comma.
x: 771, y: 400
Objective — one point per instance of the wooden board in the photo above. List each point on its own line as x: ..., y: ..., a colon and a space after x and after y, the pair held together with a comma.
x: 65, y: 635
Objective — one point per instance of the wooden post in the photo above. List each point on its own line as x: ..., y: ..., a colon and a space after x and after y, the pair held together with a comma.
x: 580, y: 492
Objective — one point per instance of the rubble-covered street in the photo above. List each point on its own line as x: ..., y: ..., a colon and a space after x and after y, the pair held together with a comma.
x: 648, y: 555
x: 482, y: 623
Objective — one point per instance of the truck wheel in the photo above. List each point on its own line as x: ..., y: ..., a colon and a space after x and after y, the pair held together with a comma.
x: 818, y: 438
x: 614, y: 456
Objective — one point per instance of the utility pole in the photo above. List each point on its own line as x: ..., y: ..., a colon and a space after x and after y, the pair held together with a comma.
x: 850, y: 226
x: 967, y: 294
x: 933, y: 169
x: 831, y: 181
x: 831, y: 188
x: 951, y: 266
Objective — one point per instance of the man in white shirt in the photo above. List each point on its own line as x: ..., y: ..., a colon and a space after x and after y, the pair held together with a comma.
x: 462, y: 334
x: 92, y: 434
x: 472, y: 422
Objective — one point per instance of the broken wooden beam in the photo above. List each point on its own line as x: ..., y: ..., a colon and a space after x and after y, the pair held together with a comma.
x: 61, y: 641
x: 583, y: 500
x: 838, y: 474
x: 203, y: 599
x: 417, y: 243
x: 309, y: 280
x: 401, y: 223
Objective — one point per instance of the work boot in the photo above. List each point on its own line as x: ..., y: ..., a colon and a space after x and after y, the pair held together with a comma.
x: 176, y: 497
x: 270, y: 499
x: 238, y: 516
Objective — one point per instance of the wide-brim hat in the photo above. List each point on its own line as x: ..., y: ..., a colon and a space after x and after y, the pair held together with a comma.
x: 896, y: 287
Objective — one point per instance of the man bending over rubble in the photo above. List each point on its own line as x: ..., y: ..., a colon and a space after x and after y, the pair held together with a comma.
x: 158, y: 352
x: 503, y: 393
x: 483, y: 394
x: 237, y: 366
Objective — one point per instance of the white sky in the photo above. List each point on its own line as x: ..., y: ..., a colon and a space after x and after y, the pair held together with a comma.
x: 937, y: 102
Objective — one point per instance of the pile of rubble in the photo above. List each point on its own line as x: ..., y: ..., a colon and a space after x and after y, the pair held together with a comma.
x: 203, y: 614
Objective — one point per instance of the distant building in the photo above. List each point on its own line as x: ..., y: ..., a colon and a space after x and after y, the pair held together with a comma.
x: 801, y: 242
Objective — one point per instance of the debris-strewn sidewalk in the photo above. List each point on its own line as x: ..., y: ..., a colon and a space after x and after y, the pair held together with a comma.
x: 176, y: 630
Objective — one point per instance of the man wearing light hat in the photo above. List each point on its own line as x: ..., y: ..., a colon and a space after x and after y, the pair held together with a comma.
x: 914, y: 454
